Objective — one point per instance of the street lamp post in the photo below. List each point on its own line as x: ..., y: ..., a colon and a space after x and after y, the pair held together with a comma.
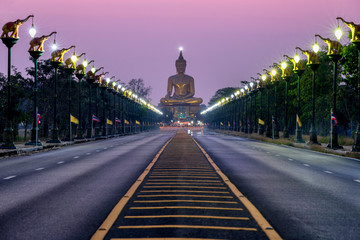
x: 314, y: 63
x: 9, y: 42
x: 334, y: 53
x: 70, y: 71
x: 261, y: 89
x: 286, y: 75
x: 298, y: 69
x: 355, y: 39
x: 80, y: 74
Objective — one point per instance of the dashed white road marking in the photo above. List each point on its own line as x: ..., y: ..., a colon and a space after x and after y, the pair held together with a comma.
x: 357, y: 180
x: 39, y: 169
x: 61, y: 162
x: 277, y: 155
x: 112, y: 146
x: 328, y: 172
x: 290, y: 159
x: 9, y: 177
x: 267, y: 152
x: 88, y: 153
x: 306, y: 165
x: 97, y: 150
x: 105, y: 147
x: 77, y: 157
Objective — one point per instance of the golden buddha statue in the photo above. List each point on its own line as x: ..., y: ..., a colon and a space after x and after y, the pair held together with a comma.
x: 183, y: 86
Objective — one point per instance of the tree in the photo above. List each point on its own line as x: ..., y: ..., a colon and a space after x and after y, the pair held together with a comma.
x: 220, y: 93
x: 138, y: 86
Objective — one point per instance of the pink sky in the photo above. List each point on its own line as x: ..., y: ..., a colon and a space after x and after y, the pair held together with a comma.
x: 225, y: 41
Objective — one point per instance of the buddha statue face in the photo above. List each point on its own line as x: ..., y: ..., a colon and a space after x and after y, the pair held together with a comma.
x: 180, y: 66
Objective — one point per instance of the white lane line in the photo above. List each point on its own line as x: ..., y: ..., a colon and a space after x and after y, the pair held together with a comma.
x: 306, y: 165
x: 61, y: 162
x: 77, y: 157
x: 9, y: 177
x: 267, y: 152
x: 328, y: 172
x: 88, y: 153
x: 290, y: 159
x: 277, y: 155
x: 105, y: 147
x: 112, y: 146
x: 98, y: 150
x: 39, y: 169
x: 357, y: 180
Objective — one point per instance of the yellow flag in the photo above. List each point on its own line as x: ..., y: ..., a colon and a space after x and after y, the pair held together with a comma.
x: 137, y: 122
x: 221, y: 124
x: 298, y: 120
x: 126, y: 121
x: 108, y: 121
x: 74, y: 119
x: 261, y: 122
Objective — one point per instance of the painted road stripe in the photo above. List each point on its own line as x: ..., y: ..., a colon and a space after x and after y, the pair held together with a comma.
x: 182, y: 176
x: 9, y: 177
x: 182, y: 195
x: 189, y: 226
x: 61, y: 162
x: 357, y: 180
x: 164, y: 239
x: 184, y: 187
x: 259, y: 218
x: 328, y: 172
x: 192, y: 201
x: 290, y: 159
x: 115, y: 212
x: 186, y: 207
x: 183, y: 180
x: 88, y: 153
x: 185, y: 191
x: 76, y: 156
x: 165, y: 183
x: 189, y: 216
x: 306, y: 165
x: 39, y: 169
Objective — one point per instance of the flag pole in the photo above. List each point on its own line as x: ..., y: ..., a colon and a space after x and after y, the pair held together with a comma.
x: 331, y: 131
x: 70, y: 128
x: 37, y: 127
x: 92, y: 126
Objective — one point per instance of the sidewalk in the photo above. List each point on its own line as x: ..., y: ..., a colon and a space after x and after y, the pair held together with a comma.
x: 21, y: 148
x: 346, y: 151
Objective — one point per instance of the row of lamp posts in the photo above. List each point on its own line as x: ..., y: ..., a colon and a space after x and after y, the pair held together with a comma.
x: 129, y: 104
x: 219, y: 115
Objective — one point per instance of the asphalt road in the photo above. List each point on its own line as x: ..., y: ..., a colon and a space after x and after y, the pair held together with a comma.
x: 303, y: 194
x: 67, y: 193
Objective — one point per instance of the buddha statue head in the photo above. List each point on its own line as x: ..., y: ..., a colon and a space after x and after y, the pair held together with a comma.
x: 180, y: 64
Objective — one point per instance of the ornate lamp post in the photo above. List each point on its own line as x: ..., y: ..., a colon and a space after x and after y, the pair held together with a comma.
x: 242, y: 90
x: 103, y: 87
x: 10, y: 41
x: 355, y: 39
x: 36, y: 50
x: 313, y: 62
x: 80, y: 74
x: 273, y: 80
x: 261, y: 89
x: 334, y: 53
x: 286, y: 75
x: 70, y: 71
x: 56, y: 64
x: 298, y: 69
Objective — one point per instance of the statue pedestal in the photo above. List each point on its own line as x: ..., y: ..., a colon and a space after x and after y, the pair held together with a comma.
x: 183, y: 112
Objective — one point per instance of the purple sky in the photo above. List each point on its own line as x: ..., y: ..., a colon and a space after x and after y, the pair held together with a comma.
x: 225, y: 41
